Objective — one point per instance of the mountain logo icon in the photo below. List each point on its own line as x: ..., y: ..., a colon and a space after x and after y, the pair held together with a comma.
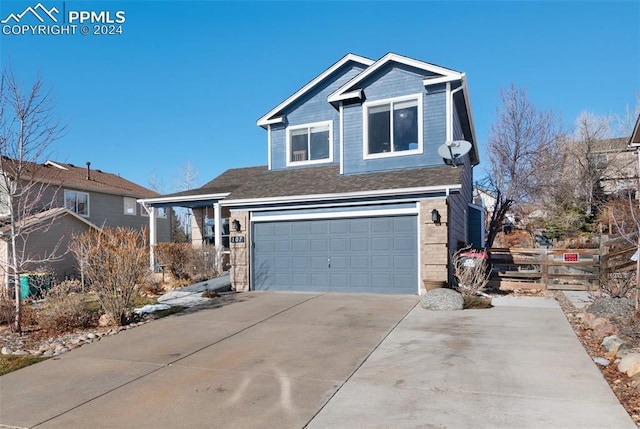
x: 38, y: 11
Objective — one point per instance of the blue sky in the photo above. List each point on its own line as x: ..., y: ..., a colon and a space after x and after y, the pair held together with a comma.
x: 186, y: 81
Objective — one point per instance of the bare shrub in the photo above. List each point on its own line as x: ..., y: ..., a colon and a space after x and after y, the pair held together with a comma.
x: 7, y: 311
x: 175, y: 256
x: 205, y: 262
x: 116, y: 267
x: 618, y: 284
x: 471, y: 270
x: 64, y: 309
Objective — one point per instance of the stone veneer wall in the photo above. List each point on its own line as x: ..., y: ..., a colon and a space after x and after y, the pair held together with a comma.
x: 240, y: 252
x: 434, y: 254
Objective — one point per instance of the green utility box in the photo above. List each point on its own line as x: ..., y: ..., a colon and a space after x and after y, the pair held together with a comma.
x: 32, y: 285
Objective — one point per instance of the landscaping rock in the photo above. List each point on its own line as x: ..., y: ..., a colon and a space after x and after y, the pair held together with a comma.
x: 619, y: 308
x: 613, y: 345
x: 106, y: 319
x: 6, y: 351
x: 630, y: 364
x: 442, y: 299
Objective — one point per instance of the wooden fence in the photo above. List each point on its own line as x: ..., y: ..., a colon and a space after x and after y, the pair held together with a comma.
x: 564, y: 269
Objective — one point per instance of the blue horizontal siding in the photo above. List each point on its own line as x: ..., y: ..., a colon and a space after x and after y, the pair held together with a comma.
x: 390, y: 82
x: 313, y: 107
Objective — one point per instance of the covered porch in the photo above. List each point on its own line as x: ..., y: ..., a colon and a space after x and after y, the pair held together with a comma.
x: 208, y: 221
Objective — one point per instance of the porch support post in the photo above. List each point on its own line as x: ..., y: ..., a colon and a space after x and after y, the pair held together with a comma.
x: 152, y: 236
x: 217, y: 219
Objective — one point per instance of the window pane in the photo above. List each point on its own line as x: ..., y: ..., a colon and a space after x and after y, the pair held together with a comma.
x: 320, y: 142
x: 405, y: 125
x: 82, y: 204
x: 299, y: 145
x: 70, y: 201
x: 379, y: 129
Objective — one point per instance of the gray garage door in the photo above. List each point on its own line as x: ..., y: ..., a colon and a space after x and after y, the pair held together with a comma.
x: 377, y: 254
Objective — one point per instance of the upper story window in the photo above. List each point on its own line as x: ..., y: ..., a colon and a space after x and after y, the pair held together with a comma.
x: 77, y: 202
x: 310, y: 143
x: 130, y: 206
x: 393, y: 127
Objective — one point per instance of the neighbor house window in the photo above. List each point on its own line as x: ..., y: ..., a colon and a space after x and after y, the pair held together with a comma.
x: 393, y: 127
x: 129, y: 206
x: 309, y: 143
x: 77, y: 202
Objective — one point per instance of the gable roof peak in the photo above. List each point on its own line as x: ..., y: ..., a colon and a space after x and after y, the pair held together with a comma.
x: 271, y: 118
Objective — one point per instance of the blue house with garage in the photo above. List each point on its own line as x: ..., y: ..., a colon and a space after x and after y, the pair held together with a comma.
x: 356, y: 195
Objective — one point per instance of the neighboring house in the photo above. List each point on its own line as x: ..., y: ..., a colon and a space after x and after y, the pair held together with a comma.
x: 354, y: 196
x: 74, y: 200
x: 619, y: 164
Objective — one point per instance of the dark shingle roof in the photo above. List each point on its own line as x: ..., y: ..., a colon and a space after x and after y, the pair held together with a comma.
x: 70, y: 176
x: 259, y: 182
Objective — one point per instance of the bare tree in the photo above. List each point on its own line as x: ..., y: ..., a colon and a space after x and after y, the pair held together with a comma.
x: 523, y: 153
x: 27, y: 129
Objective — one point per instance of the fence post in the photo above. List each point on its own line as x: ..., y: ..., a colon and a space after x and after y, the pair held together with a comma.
x: 544, y: 267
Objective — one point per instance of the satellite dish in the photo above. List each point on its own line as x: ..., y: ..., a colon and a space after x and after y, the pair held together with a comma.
x: 453, y: 150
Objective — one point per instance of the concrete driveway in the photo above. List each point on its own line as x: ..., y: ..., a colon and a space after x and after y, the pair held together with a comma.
x: 288, y: 360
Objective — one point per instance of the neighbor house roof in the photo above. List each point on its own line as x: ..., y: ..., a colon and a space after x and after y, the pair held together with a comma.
x: 635, y: 136
x: 49, y: 216
x: 78, y: 178
x: 259, y: 183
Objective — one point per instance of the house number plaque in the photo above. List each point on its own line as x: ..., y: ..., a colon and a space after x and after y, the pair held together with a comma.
x: 237, y: 239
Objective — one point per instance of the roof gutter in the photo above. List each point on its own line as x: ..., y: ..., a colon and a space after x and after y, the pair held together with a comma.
x: 447, y: 189
x: 164, y: 200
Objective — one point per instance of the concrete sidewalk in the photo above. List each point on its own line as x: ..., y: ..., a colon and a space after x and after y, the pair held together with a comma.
x: 291, y: 360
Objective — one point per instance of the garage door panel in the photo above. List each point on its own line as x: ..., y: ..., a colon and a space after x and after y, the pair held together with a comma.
x: 382, y: 225
x: 339, y: 226
x: 319, y: 245
x: 359, y: 244
x: 318, y: 262
x: 381, y: 244
x: 381, y: 280
x: 372, y: 254
x: 319, y: 227
x: 283, y: 279
x: 300, y: 263
x: 298, y: 245
x: 300, y: 280
x: 403, y: 262
x: 339, y: 245
x: 406, y: 244
x: 281, y: 246
x: 360, y: 280
x: 300, y: 228
x: 282, y: 263
x: 281, y: 229
x: 359, y: 262
x: 403, y: 224
x: 381, y: 262
x: 339, y: 262
x: 360, y: 226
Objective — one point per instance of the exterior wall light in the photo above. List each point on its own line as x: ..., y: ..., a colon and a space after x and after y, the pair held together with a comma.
x: 236, y: 225
x: 435, y: 216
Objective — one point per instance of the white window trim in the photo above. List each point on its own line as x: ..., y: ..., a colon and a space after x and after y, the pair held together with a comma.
x: 161, y: 212
x: 365, y: 126
x: 79, y: 193
x: 135, y: 206
x: 315, y: 161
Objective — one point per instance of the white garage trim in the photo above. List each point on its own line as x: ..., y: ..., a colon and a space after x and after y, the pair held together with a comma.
x: 336, y: 215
